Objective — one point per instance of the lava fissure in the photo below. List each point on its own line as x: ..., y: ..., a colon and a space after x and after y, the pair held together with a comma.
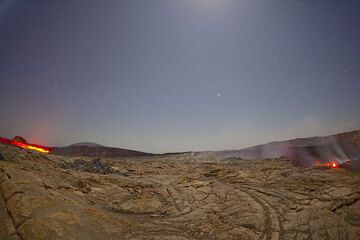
x: 25, y: 145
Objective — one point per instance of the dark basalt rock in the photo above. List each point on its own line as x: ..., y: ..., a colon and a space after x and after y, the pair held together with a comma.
x: 19, y: 139
x: 94, y: 166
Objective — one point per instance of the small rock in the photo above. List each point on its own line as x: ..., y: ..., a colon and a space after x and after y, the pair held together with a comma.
x: 46, y: 185
x: 65, y: 186
x: 86, y: 189
x: 82, y: 183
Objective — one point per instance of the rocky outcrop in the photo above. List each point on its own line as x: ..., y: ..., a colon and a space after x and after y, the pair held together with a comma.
x: 96, y: 151
x: 95, y: 166
x: 19, y: 139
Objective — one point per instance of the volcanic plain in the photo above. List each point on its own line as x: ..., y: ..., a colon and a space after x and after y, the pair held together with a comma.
x: 175, y: 196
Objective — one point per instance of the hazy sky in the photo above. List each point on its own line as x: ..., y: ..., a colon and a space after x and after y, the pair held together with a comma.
x: 177, y: 75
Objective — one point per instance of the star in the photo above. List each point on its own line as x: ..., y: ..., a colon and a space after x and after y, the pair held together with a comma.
x: 218, y: 94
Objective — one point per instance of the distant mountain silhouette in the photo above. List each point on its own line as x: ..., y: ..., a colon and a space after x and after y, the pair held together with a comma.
x: 89, y: 149
x: 90, y: 144
x: 301, y: 151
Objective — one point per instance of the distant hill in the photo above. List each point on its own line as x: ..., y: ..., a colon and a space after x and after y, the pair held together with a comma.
x: 88, y: 149
x: 90, y: 144
x: 305, y: 151
x: 300, y: 151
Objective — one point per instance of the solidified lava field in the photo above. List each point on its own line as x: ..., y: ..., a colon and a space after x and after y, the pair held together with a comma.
x: 177, y: 196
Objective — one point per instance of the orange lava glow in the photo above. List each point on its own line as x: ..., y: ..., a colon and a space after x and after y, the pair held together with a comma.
x: 332, y: 164
x: 31, y: 147
x: 25, y: 145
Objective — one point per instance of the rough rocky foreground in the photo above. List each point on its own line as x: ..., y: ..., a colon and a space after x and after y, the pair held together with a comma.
x: 173, y: 197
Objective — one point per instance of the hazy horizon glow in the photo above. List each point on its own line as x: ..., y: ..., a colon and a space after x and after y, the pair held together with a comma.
x: 178, y: 75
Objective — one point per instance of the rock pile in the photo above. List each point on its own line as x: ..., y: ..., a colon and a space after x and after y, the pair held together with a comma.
x: 94, y: 166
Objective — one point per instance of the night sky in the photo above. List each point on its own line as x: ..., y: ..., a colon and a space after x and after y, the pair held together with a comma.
x: 178, y: 75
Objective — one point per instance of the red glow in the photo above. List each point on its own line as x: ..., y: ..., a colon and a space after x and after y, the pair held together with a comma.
x: 35, y: 147
x: 332, y: 164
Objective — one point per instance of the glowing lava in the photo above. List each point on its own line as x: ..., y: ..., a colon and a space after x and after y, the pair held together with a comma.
x: 35, y: 147
x: 333, y: 165
x: 31, y: 147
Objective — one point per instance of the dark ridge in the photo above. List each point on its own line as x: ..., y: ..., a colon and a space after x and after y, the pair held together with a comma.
x: 305, y: 151
x: 97, y: 151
